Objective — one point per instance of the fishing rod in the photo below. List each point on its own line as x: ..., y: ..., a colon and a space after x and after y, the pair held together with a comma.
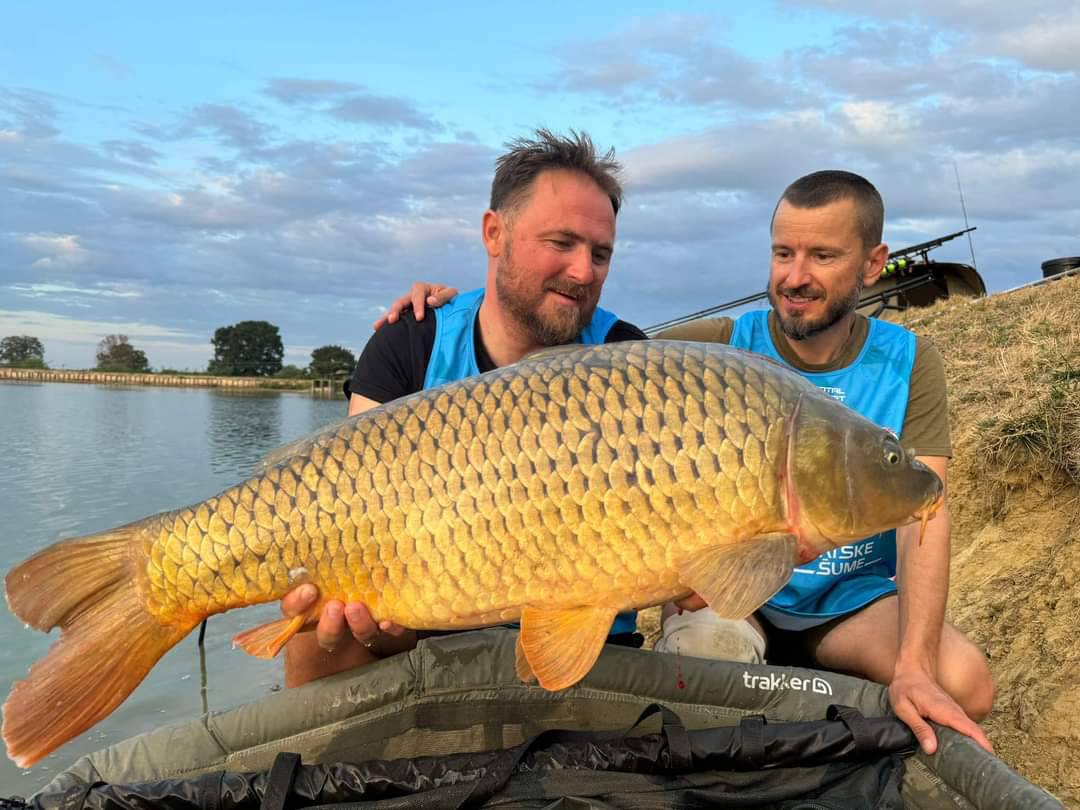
x: 899, y: 262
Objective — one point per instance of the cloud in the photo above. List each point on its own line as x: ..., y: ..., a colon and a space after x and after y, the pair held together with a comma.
x: 55, y: 250
x: 260, y: 207
x: 368, y: 108
x: 299, y: 91
x: 27, y: 113
x: 53, y: 290
x: 882, y: 122
x: 1040, y: 34
x: 668, y: 59
x: 1049, y: 43
x: 71, y: 341
x: 975, y: 16
x: 136, y: 151
x: 350, y: 102
x: 229, y: 124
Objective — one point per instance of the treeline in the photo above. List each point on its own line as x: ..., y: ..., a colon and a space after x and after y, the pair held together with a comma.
x: 245, y: 349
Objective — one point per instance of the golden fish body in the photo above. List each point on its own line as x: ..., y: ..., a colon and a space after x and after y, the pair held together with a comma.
x: 576, y: 484
x: 576, y: 479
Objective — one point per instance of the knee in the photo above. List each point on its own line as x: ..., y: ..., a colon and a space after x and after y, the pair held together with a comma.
x: 968, y: 679
x: 703, y: 634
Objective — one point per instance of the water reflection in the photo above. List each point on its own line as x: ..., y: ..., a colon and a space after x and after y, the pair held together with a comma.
x: 243, y: 426
x: 79, y: 459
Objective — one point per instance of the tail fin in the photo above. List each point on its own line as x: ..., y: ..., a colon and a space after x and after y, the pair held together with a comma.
x: 108, y: 641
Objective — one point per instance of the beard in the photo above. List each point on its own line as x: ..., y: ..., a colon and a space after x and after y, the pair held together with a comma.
x: 547, y: 325
x: 798, y: 327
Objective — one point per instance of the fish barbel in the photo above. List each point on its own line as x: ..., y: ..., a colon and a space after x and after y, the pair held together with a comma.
x: 557, y: 491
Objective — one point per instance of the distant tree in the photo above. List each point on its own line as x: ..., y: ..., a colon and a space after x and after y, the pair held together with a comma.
x: 116, y: 354
x: 291, y: 372
x: 22, y: 351
x: 331, y: 361
x: 247, y: 349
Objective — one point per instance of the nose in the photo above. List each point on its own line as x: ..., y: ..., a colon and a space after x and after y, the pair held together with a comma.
x: 580, y: 268
x: 799, y: 271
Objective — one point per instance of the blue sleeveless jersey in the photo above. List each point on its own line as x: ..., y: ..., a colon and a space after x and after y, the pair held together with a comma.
x: 454, y: 355
x: 876, y: 385
x: 454, y: 358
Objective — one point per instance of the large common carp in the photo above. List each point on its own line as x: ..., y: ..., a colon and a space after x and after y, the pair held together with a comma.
x: 558, y: 491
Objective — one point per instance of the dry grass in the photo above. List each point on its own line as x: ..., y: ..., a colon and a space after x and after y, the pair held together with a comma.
x: 1013, y: 367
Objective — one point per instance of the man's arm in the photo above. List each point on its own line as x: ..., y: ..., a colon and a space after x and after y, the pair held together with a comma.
x: 358, y: 404
x: 922, y: 580
x: 703, y: 330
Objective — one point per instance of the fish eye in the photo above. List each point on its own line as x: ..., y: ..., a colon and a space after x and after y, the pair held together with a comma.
x: 893, y: 454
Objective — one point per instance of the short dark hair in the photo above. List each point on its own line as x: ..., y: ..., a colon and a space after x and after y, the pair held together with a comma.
x: 528, y: 157
x: 821, y: 188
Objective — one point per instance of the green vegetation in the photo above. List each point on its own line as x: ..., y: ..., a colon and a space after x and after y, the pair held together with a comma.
x: 331, y: 361
x: 291, y: 372
x: 22, y: 351
x: 247, y: 349
x: 115, y: 353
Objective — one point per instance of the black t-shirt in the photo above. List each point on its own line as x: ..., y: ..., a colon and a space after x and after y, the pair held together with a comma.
x: 394, y: 362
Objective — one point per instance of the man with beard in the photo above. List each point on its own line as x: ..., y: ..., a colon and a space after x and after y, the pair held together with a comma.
x: 874, y: 608
x: 549, y: 234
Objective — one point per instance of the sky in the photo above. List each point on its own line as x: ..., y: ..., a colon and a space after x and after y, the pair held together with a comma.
x: 166, y: 171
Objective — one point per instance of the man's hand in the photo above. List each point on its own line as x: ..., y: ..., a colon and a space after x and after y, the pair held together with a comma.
x: 915, y: 696
x: 422, y: 294
x: 691, y: 602
x: 340, y: 623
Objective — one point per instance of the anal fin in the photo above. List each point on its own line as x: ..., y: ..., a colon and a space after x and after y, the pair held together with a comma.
x: 266, y: 640
x: 560, y: 646
x: 736, y: 579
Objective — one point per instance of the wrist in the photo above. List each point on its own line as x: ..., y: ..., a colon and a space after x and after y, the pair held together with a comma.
x: 913, y: 663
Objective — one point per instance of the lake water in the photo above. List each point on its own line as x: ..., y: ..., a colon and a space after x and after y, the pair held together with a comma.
x: 78, y: 459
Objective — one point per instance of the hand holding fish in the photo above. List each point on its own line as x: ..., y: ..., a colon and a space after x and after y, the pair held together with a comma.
x: 337, y: 620
x: 915, y: 696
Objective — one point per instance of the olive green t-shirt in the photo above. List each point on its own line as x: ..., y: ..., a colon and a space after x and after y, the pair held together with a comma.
x: 926, y: 421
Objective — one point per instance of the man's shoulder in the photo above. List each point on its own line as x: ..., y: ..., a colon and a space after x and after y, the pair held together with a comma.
x: 624, y: 330
x: 703, y: 330
x: 405, y: 331
x: 887, y: 326
x: 394, y: 360
x: 929, y: 366
x: 926, y: 352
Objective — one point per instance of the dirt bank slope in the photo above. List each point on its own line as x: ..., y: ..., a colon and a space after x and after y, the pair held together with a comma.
x: 1013, y: 365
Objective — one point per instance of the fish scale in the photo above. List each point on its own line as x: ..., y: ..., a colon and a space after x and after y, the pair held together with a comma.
x: 385, y: 477
x: 560, y: 490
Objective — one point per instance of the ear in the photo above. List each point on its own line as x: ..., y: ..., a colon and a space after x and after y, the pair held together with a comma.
x: 494, y: 230
x: 875, y: 264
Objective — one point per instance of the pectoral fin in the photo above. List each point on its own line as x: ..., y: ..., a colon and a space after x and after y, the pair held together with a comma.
x: 521, y: 663
x: 736, y: 579
x: 561, y: 646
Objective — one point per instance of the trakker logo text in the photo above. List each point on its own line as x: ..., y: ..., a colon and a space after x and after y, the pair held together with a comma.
x: 775, y: 681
